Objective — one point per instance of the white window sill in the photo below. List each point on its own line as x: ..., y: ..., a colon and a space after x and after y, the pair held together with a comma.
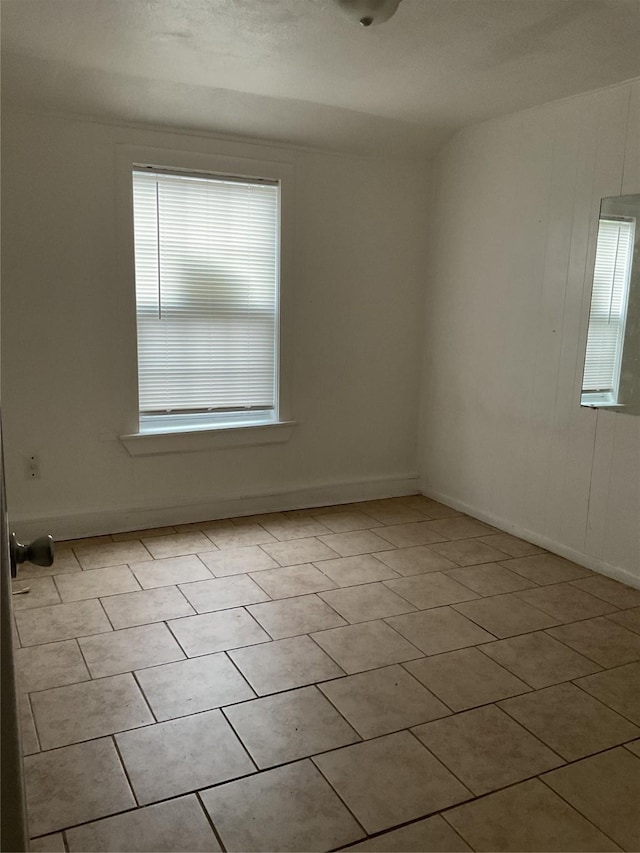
x: 599, y: 400
x: 151, y: 443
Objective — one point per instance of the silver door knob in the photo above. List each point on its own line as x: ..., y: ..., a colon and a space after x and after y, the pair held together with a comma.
x: 40, y: 552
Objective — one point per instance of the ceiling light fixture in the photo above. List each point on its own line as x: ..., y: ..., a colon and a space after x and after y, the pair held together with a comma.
x: 369, y: 12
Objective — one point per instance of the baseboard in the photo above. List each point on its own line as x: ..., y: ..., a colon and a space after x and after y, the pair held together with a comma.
x: 586, y: 560
x: 78, y: 524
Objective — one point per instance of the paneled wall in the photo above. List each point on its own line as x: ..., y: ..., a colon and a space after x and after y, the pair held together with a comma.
x: 502, y: 433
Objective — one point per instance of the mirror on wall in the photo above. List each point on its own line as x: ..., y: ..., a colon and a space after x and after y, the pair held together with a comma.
x: 611, y: 377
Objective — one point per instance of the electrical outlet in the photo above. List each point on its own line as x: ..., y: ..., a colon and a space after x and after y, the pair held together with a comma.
x: 32, y: 467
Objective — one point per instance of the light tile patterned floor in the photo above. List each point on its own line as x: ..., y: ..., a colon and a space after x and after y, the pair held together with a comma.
x: 384, y: 676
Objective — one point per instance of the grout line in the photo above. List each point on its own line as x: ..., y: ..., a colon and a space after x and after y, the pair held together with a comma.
x: 146, y: 701
x: 124, y: 770
x: 210, y: 822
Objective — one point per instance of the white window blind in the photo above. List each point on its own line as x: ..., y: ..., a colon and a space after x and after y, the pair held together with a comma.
x: 607, y: 317
x: 206, y: 269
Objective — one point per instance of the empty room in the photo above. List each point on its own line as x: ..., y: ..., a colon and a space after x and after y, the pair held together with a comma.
x: 320, y: 425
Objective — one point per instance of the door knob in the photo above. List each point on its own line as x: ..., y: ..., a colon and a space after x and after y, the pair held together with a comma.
x: 40, y: 552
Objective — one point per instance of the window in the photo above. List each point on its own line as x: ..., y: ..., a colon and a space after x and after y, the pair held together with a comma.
x: 605, y: 336
x: 207, y: 299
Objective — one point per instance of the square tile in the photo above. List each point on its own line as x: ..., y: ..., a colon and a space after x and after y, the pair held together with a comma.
x: 194, y: 685
x: 486, y: 748
x: 240, y: 536
x: 170, y: 572
x: 284, y: 664
x: 601, y: 640
x: 417, y: 560
x: 178, y: 824
x: 618, y: 594
x: 570, y: 721
x: 431, y: 590
x: 412, y: 534
x: 291, y: 616
x: 66, y: 715
x: 490, y: 579
x: 223, y: 593
x: 131, y: 648
x: 527, y: 817
x: 539, y: 659
x: 466, y: 678
x: 293, y: 580
x: 460, y: 528
x: 546, y: 568
x: 216, y: 632
x: 28, y: 734
x: 349, y: 571
x: 346, y: 522
x: 618, y: 688
x: 365, y: 646
x: 390, y: 780
x: 468, y: 552
x: 97, y: 556
x: 295, y: 528
x: 634, y: 747
x: 511, y: 545
x: 75, y: 784
x: 298, y: 551
x: 176, y: 545
x: 50, y: 665
x: 358, y: 542
x: 628, y: 618
x: 430, y: 834
x: 382, y: 701
x: 42, y: 592
x: 96, y: 582
x: 281, y: 728
x: 506, y: 615
x: 48, y: 844
x: 237, y: 561
x: 439, y: 630
x: 181, y: 755
x: 61, y: 622
x: 292, y: 809
x: 365, y: 602
x: 604, y: 788
x: 149, y: 605
x: 565, y: 603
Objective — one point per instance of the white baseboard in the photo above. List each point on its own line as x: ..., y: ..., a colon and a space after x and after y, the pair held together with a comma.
x: 586, y: 560
x: 78, y: 524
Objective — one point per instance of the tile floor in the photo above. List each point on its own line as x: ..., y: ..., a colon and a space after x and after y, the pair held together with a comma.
x: 384, y: 676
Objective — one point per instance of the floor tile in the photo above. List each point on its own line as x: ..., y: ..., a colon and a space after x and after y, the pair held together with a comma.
x: 604, y: 788
x: 412, y: 534
x: 528, y: 817
x: 181, y: 755
x: 460, y: 528
x: 346, y: 522
x: 431, y: 590
x: 511, y: 545
x: 601, y: 640
x: 139, y: 534
x: 430, y: 834
x: 358, y: 542
x: 216, y: 632
x: 609, y: 590
x: 237, y: 561
x: 89, y: 710
x: 634, y: 747
x: 110, y: 554
x: 539, y: 659
x: 365, y: 646
x: 131, y: 648
x: 95, y: 583
x: 194, y: 685
x: 28, y: 734
x: 390, y: 512
x: 61, y: 622
x: 490, y: 579
x: 466, y: 678
x: 146, y: 606
x: 293, y: 580
x: 428, y: 507
x: 365, y: 602
x: 349, y: 571
x: 240, y: 536
x: 486, y: 749
x: 546, y: 568
x: 570, y: 721
x: 566, y: 603
x: 295, y: 528
x: 48, y: 844
x: 178, y: 824
x: 441, y: 629
x: 291, y: 616
x: 223, y: 593
x: 287, y: 726
x: 628, y: 618
x: 618, y: 688
x: 382, y: 701
x: 176, y: 545
x: 506, y: 615
x: 415, y: 561
x: 50, y: 665
x: 42, y: 592
x: 170, y: 572
x: 390, y: 780
x: 284, y: 664
x: 65, y: 561
x: 292, y: 808
x: 468, y: 552
x: 298, y: 551
x: 86, y: 540
x: 75, y: 784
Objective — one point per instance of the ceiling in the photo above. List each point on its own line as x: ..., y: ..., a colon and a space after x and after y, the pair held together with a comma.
x: 299, y: 71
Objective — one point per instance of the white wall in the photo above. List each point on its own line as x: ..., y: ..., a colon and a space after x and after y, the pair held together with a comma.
x: 502, y: 433
x: 68, y: 336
